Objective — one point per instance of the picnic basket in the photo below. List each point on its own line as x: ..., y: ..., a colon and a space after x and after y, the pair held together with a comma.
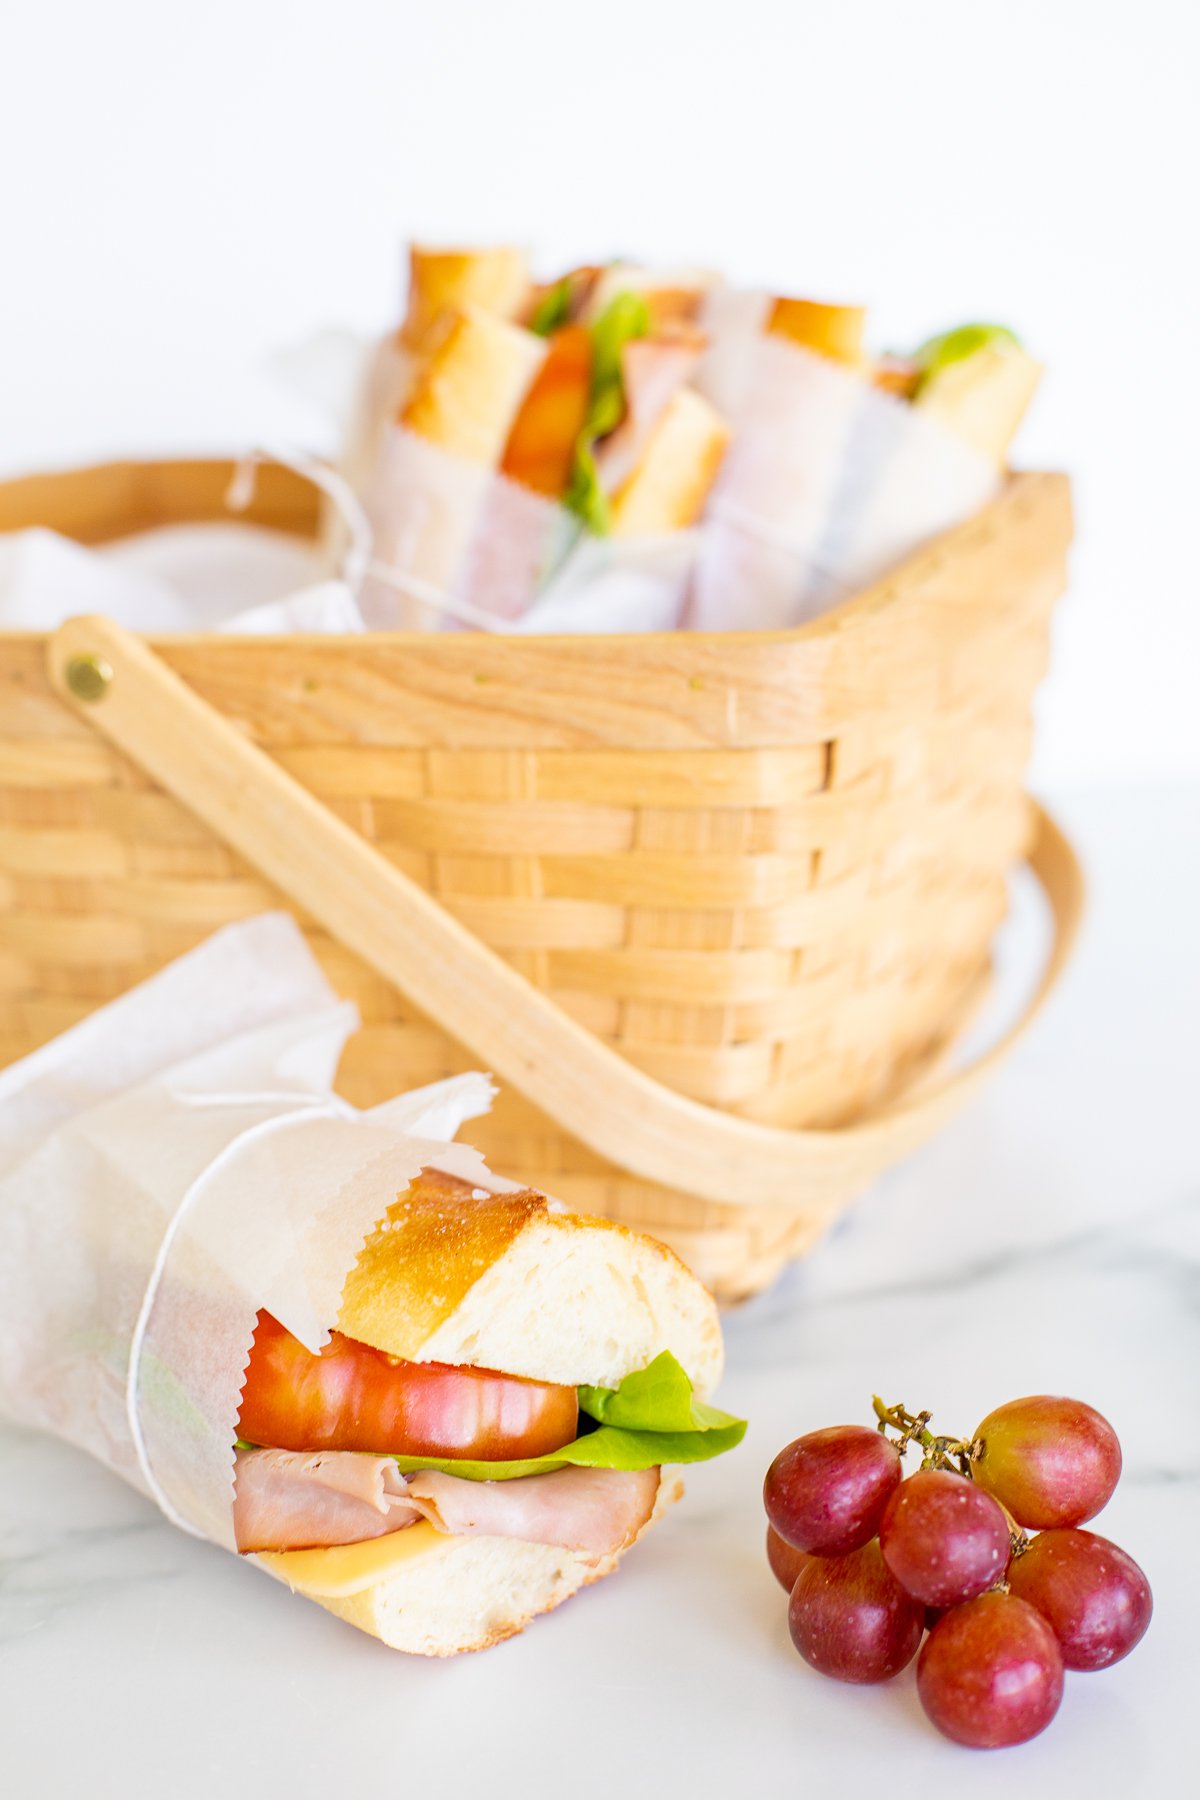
x: 712, y: 908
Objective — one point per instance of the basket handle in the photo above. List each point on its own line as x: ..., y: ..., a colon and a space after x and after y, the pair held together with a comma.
x: 130, y: 696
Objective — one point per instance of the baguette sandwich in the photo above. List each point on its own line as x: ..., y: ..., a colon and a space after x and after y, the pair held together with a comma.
x: 578, y: 389
x: 585, y: 402
x: 487, y: 1429
x: 976, y: 380
x: 560, y: 440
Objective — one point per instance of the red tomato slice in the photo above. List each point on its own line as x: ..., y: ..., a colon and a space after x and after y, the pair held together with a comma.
x: 351, y: 1397
x: 545, y: 431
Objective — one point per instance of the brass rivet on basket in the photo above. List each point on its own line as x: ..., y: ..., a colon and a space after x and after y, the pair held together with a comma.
x: 89, y: 677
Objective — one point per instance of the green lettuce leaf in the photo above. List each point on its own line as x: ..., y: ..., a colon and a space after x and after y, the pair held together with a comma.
x: 583, y: 495
x: 657, y: 1398
x: 607, y: 1448
x: 626, y: 316
x: 956, y: 345
x: 553, y: 309
x: 653, y: 1417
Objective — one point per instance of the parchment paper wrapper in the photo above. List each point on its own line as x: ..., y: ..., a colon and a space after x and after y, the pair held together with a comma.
x: 45, y: 578
x: 607, y: 584
x: 829, y: 481
x: 385, y: 373
x: 457, y: 545
x: 214, y: 577
x: 168, y: 1167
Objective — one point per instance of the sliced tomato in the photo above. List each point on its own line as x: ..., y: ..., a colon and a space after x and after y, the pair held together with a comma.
x: 351, y: 1397
x: 545, y: 431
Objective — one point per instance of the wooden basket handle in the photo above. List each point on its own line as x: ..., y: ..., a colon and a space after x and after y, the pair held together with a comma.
x: 130, y: 696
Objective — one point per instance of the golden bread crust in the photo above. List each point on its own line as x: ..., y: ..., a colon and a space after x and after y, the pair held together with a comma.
x: 466, y: 394
x: 439, y: 1238
x: 441, y: 281
x: 832, y: 331
x: 429, y: 1250
x: 668, y: 489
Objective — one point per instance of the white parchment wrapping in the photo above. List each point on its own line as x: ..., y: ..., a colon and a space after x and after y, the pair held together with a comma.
x: 829, y: 482
x: 45, y: 578
x: 457, y: 545
x: 212, y: 577
x: 424, y: 508
x: 168, y: 1167
x: 615, y: 585
x: 384, y: 376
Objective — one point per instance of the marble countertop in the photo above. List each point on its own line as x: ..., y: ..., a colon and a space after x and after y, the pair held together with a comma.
x: 1049, y: 1241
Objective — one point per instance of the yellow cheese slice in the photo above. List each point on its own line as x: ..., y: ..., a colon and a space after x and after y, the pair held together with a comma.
x: 345, y: 1569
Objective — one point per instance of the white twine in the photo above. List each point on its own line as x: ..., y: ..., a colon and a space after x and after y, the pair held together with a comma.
x: 361, y: 539
x: 426, y: 593
x: 359, y: 560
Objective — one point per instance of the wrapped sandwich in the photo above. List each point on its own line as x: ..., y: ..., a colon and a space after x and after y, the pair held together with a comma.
x: 491, y: 1426
x: 511, y: 430
x: 328, y: 1341
x: 842, y: 464
x: 636, y: 448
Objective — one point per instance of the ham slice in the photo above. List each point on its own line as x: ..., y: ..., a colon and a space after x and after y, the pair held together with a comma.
x: 594, y: 1511
x: 297, y: 1500
x: 290, y: 1500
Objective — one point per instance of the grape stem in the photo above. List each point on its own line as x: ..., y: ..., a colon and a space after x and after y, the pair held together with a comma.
x: 956, y: 1454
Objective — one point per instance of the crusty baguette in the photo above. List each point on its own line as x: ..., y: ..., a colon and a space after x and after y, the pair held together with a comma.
x: 983, y: 397
x: 832, y: 331
x: 440, y: 281
x: 466, y: 394
x: 475, y: 1592
x: 668, y: 488
x: 458, y: 1274
x: 518, y: 1283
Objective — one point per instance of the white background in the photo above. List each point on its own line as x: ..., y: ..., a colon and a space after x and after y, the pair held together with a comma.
x: 189, y: 189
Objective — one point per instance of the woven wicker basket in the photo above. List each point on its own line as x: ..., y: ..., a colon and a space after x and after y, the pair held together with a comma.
x: 739, y: 890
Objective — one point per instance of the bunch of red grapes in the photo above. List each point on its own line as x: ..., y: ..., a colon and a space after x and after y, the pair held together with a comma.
x: 873, y: 1562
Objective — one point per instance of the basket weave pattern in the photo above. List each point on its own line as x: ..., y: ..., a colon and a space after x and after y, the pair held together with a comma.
x: 767, y: 869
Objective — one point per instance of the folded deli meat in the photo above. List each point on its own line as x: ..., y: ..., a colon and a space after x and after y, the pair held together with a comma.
x: 286, y: 1500
x: 487, y: 1429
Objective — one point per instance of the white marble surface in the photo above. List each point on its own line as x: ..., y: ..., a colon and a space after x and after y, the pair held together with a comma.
x: 1050, y: 1240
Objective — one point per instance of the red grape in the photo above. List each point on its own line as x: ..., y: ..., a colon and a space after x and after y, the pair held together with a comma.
x: 1094, y: 1597
x: 851, y: 1619
x: 1051, y: 1461
x: 826, y: 1492
x: 990, y: 1673
x: 785, y: 1562
x: 943, y: 1538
